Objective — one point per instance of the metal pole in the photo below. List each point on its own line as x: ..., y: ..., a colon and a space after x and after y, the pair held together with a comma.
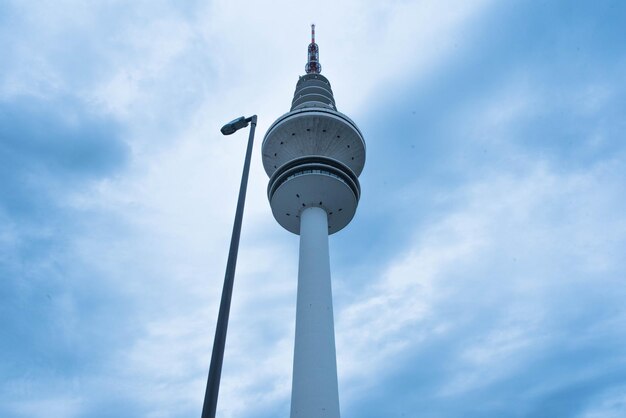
x: 217, y: 356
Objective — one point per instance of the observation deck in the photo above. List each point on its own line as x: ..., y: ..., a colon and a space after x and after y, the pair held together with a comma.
x: 313, y: 155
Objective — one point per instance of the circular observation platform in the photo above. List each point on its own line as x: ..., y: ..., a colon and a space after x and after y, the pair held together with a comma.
x: 313, y: 181
x: 312, y: 131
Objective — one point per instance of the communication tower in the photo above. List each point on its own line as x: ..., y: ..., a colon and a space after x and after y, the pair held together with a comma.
x: 314, y: 155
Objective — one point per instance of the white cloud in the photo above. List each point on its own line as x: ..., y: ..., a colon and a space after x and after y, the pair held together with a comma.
x: 490, y: 265
x: 58, y: 407
x: 158, y: 231
x: 610, y: 404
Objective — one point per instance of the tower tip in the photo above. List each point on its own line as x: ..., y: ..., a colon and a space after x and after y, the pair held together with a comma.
x: 313, y: 65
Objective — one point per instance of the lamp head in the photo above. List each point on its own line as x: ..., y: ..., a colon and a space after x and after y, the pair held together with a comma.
x: 233, y: 126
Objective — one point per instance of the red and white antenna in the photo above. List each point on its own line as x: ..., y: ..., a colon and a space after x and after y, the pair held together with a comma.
x: 313, y: 65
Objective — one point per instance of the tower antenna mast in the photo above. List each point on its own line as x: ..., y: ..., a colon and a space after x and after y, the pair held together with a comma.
x: 313, y: 65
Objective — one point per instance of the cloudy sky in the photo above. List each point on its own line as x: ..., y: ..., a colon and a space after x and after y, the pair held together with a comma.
x: 484, y: 274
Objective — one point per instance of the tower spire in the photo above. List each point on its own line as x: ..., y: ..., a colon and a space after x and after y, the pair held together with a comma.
x: 313, y: 65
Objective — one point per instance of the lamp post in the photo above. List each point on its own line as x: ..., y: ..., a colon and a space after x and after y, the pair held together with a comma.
x: 217, y: 356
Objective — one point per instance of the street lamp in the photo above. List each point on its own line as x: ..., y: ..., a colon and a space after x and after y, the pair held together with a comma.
x: 217, y: 356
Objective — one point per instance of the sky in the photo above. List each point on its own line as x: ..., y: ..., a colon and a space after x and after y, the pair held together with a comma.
x: 482, y: 276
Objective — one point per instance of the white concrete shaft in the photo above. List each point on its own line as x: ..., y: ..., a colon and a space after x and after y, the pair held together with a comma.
x: 314, y: 392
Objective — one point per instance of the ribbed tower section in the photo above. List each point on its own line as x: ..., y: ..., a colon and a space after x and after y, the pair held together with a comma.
x: 313, y: 156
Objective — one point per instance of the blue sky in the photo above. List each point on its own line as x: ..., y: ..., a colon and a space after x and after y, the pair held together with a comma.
x: 483, y: 275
